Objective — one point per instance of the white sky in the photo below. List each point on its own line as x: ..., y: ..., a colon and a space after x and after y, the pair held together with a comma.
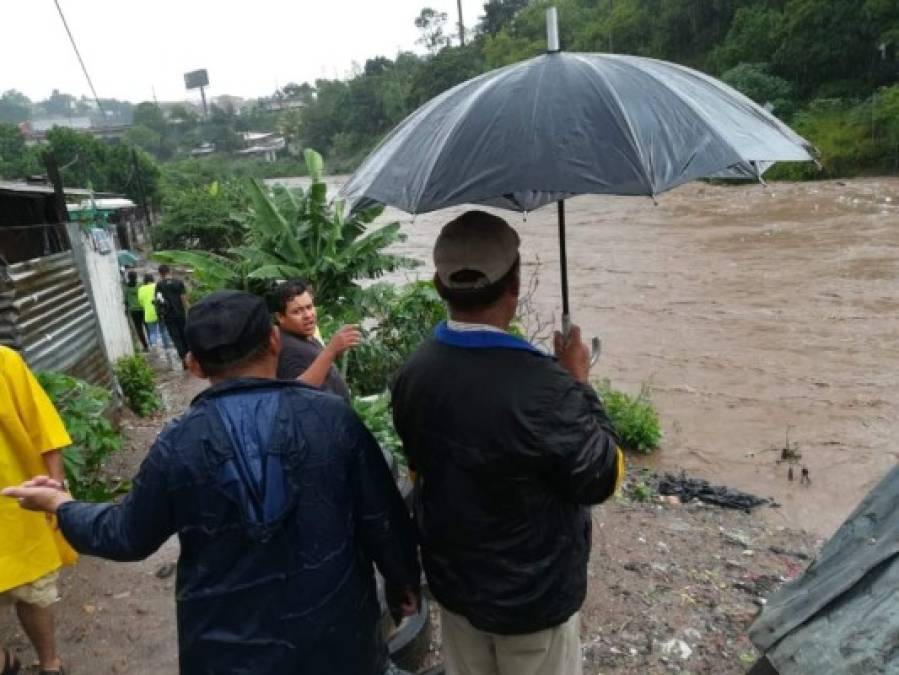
x: 249, y: 48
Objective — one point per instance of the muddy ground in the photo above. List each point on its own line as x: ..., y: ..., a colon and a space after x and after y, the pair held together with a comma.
x: 659, y: 572
x: 749, y: 311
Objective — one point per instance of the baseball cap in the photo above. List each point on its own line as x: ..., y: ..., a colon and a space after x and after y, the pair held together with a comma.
x: 225, y: 326
x: 478, y: 243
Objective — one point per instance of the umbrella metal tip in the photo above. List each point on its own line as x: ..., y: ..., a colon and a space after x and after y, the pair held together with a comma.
x: 552, y: 30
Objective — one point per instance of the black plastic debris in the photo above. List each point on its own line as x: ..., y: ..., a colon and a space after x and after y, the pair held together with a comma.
x: 688, y: 489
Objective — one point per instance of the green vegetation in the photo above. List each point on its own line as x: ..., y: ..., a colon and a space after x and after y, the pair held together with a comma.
x: 94, y: 438
x: 401, y: 318
x: 83, y: 160
x: 298, y: 233
x: 828, y: 67
x: 801, y: 56
x: 374, y: 411
x: 138, y: 382
x: 633, y: 417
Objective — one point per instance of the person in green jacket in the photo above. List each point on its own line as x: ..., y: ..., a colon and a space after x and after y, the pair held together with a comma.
x: 134, y: 308
x: 146, y: 295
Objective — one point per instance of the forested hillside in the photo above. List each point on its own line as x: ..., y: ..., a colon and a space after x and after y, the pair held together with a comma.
x: 829, y: 67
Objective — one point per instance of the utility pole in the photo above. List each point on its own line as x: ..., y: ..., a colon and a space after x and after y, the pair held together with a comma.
x: 461, y: 25
x: 140, y: 187
x: 610, y: 27
x: 59, y: 200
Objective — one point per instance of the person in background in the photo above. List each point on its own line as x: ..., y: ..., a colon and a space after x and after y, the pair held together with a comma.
x: 32, y: 436
x: 134, y: 308
x: 146, y: 295
x: 281, y: 500
x: 303, y: 356
x: 510, y: 447
x: 171, y: 306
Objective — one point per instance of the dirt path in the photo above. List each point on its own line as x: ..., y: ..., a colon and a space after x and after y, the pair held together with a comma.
x: 120, y: 617
x: 663, y: 577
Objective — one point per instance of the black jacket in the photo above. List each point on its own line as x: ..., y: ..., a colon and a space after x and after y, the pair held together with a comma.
x: 509, y: 450
x: 281, y: 500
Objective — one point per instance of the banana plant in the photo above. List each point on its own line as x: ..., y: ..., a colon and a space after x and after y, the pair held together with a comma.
x: 296, y: 233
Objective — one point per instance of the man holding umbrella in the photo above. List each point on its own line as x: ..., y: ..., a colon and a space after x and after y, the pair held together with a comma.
x: 510, y: 447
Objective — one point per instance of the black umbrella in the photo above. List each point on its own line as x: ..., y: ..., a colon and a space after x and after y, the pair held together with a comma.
x: 565, y: 124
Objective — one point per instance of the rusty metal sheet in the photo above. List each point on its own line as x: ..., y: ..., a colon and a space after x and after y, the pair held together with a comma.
x: 45, y: 313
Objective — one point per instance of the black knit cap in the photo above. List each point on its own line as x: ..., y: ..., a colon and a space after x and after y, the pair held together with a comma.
x: 226, y: 326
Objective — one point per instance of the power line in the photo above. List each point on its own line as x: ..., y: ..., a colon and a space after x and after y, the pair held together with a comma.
x: 80, y: 60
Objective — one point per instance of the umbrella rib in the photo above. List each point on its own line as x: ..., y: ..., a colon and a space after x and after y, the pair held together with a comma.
x: 706, y: 119
x: 753, y: 109
x: 631, y: 133
x: 471, y: 100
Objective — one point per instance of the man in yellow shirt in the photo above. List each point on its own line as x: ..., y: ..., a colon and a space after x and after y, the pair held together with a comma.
x: 31, y: 437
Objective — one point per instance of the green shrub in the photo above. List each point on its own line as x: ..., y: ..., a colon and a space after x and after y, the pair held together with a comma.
x: 400, y: 318
x: 138, y: 382
x: 633, y: 417
x: 374, y: 411
x: 290, y: 233
x: 640, y: 486
x: 94, y: 438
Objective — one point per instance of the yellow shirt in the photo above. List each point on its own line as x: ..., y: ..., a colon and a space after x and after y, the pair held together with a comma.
x: 29, y: 427
x: 145, y: 295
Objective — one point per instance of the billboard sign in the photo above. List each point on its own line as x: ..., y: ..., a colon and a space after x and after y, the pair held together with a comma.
x: 196, y: 79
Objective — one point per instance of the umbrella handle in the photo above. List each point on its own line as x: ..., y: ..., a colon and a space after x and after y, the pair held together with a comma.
x: 595, y: 350
x: 595, y: 342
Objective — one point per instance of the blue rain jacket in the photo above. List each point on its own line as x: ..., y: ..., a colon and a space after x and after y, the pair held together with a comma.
x: 281, y: 500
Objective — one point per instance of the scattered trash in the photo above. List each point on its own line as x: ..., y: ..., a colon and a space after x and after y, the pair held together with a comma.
x: 789, y: 452
x: 692, y: 634
x: 806, y: 479
x: 737, y: 537
x: 694, y: 488
x: 675, y: 648
x: 165, y: 571
x: 794, y: 554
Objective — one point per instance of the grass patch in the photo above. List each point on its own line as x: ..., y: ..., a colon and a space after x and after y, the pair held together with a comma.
x: 634, y: 418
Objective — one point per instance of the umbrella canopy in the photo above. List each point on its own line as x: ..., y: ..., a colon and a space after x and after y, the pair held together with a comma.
x: 565, y: 124
x: 127, y: 258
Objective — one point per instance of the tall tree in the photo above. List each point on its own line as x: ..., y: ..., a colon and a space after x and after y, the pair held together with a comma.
x: 150, y: 115
x: 824, y: 40
x: 15, y: 107
x: 431, y: 23
x: 59, y: 104
x: 16, y: 159
x: 499, y: 14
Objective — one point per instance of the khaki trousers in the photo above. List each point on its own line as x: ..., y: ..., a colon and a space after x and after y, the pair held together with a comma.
x: 469, y: 651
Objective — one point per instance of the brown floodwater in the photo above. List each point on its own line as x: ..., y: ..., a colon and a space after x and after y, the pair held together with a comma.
x: 751, y: 312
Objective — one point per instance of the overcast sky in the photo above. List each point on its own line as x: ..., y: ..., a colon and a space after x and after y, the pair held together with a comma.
x: 248, y: 47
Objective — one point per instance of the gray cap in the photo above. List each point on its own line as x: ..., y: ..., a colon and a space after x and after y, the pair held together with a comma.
x: 476, y: 249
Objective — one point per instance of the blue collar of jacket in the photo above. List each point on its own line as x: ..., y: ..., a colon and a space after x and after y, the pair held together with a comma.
x: 249, y: 383
x: 482, y: 339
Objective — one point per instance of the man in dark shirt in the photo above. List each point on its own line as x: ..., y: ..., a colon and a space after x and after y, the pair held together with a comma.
x: 303, y: 356
x: 171, y: 306
x: 510, y: 447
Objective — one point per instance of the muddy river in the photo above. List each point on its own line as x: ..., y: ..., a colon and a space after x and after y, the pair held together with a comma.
x: 752, y: 313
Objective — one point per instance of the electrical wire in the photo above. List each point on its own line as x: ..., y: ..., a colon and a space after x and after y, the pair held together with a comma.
x: 80, y: 60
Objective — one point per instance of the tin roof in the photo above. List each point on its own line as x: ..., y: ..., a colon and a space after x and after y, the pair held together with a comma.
x: 20, y: 187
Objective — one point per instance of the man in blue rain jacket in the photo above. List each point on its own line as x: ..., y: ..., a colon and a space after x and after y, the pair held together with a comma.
x: 281, y: 500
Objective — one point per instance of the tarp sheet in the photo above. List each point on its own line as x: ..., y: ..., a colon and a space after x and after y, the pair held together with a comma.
x: 841, y: 617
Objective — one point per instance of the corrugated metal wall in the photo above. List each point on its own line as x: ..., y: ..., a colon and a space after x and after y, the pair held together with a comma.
x: 46, y: 314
